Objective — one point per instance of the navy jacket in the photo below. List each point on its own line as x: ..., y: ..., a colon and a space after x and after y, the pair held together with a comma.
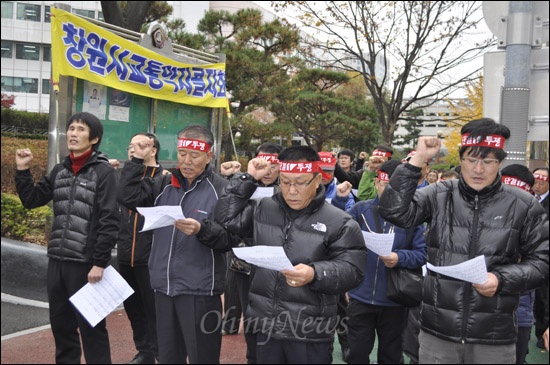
x: 409, y: 244
x: 178, y: 263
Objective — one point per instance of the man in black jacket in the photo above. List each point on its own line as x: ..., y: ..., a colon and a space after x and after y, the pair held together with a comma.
x: 294, y: 312
x: 133, y: 250
x: 187, y: 263
x: 84, y: 231
x: 476, y: 215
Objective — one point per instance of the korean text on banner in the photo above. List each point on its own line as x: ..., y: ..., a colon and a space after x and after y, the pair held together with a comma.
x: 87, y: 51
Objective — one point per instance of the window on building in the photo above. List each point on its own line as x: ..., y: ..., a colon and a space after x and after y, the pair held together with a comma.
x: 45, y: 86
x: 30, y: 85
x: 100, y: 16
x: 19, y: 85
x: 7, y: 84
x: 28, y: 12
x: 88, y: 13
x: 27, y: 51
x: 47, y: 56
x: 7, y: 10
x: 7, y: 49
x: 47, y: 14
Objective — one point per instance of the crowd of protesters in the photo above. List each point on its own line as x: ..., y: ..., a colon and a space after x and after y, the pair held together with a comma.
x: 316, y: 207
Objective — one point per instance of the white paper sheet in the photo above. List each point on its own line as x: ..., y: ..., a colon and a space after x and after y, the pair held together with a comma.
x: 268, y: 257
x: 473, y: 271
x: 263, y: 192
x: 95, y: 301
x: 161, y: 216
x: 379, y: 243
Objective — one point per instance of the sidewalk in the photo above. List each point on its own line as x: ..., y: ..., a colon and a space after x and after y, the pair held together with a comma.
x: 38, y: 347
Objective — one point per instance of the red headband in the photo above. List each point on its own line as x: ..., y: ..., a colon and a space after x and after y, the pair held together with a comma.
x: 383, y: 176
x: 492, y: 140
x: 193, y: 144
x: 514, y: 181
x: 327, y: 160
x: 541, y: 177
x: 302, y: 167
x: 271, y: 157
x: 381, y: 153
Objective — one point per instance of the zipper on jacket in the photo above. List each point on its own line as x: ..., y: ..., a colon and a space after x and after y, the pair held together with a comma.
x: 69, y: 213
x: 132, y: 257
x: 375, y: 279
x: 287, y: 228
x: 473, y: 243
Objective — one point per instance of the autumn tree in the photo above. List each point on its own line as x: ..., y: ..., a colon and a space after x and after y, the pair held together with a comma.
x: 408, y: 51
x: 8, y: 101
x: 465, y: 110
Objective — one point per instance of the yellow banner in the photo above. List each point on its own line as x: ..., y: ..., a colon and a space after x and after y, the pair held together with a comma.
x: 87, y: 51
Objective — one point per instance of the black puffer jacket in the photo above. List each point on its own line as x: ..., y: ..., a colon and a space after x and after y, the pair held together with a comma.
x: 501, y: 222
x: 134, y: 247
x: 86, y: 216
x: 321, y: 235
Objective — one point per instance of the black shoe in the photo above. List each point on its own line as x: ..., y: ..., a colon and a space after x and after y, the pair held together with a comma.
x: 540, y: 344
x: 142, y: 358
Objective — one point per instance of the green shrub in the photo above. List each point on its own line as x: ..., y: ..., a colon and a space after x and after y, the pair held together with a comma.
x: 27, y: 121
x: 39, y: 163
x: 24, y: 224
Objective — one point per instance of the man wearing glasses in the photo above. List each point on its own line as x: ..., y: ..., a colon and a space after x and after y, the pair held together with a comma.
x: 294, y: 312
x: 475, y: 215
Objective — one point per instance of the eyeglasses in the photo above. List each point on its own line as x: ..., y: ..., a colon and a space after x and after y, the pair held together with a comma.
x: 297, y: 185
x: 130, y: 147
x: 486, y: 162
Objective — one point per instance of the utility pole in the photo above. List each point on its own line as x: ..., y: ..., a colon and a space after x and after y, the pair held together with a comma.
x: 516, y: 76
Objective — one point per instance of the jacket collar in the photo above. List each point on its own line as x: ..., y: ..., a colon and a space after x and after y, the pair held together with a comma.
x: 484, y: 193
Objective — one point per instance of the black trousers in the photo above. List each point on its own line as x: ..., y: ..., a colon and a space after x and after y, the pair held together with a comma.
x: 273, y: 351
x: 189, y: 326
x: 342, y: 328
x: 239, y: 287
x: 140, y: 308
x: 522, y: 344
x: 369, y: 321
x: 232, y: 307
x: 64, y: 279
x: 539, y: 309
x: 410, y: 334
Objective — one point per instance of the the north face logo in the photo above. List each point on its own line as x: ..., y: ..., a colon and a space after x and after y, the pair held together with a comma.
x: 319, y: 227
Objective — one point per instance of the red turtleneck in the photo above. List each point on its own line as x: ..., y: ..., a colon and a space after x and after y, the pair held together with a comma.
x: 78, y: 162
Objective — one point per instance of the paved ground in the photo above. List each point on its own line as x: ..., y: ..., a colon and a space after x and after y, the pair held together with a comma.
x: 37, y: 347
x: 32, y: 341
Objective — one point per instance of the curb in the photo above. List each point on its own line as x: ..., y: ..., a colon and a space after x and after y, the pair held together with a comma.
x: 25, y: 268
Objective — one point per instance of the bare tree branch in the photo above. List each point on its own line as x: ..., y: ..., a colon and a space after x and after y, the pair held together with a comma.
x: 416, y: 49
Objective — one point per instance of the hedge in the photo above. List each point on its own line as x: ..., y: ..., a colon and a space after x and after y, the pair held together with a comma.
x: 18, y: 223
